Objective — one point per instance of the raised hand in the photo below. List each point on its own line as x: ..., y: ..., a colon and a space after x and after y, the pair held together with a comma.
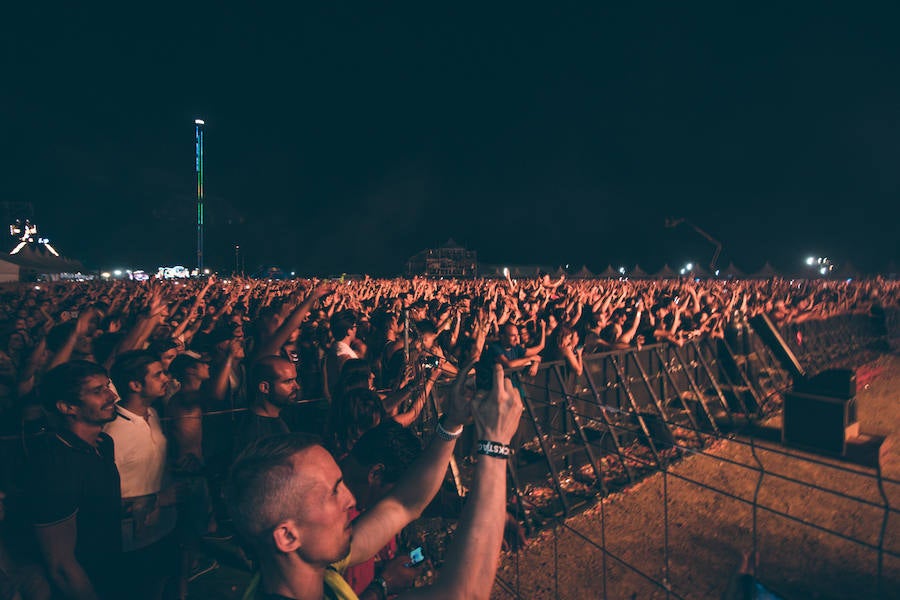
x: 497, y: 413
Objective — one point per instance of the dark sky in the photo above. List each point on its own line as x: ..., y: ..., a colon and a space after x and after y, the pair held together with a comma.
x: 347, y: 136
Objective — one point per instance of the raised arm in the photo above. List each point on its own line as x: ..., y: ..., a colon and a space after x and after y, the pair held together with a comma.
x: 272, y: 345
x: 474, y: 553
x: 628, y: 335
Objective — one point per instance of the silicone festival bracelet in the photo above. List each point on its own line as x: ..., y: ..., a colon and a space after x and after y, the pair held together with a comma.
x: 494, y: 449
x: 447, y: 436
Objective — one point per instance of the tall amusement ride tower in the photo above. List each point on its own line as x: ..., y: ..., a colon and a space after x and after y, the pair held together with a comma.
x: 198, y: 124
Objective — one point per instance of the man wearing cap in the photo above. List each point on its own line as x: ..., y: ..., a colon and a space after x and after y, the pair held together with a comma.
x: 186, y: 409
x: 185, y: 432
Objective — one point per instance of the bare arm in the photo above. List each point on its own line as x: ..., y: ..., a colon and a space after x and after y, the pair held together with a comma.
x: 409, y: 417
x: 219, y: 383
x: 192, y: 312
x: 628, y: 335
x: 57, y: 544
x: 535, y: 350
x: 276, y: 340
x: 474, y: 554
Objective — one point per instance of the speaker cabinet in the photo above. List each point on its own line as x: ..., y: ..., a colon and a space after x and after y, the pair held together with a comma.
x: 837, y: 383
x: 816, y: 422
x: 769, y: 334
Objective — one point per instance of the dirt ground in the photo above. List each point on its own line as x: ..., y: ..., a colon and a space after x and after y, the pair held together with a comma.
x: 669, y: 529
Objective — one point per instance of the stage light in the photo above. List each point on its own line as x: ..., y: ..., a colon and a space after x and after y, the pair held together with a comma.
x: 622, y: 270
x: 117, y: 272
x: 823, y: 270
x: 810, y: 261
x: 689, y: 266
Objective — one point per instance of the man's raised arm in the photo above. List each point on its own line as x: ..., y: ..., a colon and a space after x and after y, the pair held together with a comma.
x: 475, y: 551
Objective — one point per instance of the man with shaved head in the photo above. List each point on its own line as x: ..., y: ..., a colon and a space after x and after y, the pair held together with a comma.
x: 291, y: 506
x: 272, y: 387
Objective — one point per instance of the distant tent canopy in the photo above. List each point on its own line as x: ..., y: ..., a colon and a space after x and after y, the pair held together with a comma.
x: 637, y: 272
x: 666, y: 272
x: 767, y: 271
x: 731, y: 271
x: 36, y: 260
x: 583, y: 273
x: 609, y: 273
x: 8, y: 271
x: 698, y: 271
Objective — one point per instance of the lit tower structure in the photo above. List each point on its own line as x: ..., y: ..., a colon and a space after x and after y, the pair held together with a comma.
x: 198, y: 125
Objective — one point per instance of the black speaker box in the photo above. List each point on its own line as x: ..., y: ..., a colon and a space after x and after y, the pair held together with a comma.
x: 838, y: 383
x: 769, y: 334
x: 818, y: 422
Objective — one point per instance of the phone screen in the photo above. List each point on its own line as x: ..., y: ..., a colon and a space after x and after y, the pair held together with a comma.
x: 416, y: 556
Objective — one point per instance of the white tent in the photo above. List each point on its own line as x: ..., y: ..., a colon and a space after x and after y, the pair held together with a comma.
x: 8, y: 271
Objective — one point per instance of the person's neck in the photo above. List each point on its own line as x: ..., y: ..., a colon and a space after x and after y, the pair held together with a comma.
x: 264, y: 408
x: 136, y: 404
x: 88, y: 432
x: 287, y: 575
x: 191, y: 384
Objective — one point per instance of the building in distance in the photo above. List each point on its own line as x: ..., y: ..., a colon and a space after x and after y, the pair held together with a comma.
x: 448, y: 260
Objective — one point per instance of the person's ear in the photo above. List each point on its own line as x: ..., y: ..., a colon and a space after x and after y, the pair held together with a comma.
x: 65, y: 408
x: 287, y: 536
x: 376, y: 475
x: 263, y: 387
x: 135, y: 386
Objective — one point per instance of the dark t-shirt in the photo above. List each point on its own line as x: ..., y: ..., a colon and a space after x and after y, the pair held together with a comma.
x: 253, y: 427
x: 484, y: 368
x: 69, y: 477
x: 609, y: 334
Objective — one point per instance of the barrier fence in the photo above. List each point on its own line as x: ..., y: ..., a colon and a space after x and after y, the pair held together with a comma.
x: 635, y: 413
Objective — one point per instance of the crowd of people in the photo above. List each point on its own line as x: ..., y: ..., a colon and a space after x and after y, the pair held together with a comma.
x: 152, y: 417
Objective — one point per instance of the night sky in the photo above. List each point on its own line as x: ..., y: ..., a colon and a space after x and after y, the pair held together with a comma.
x: 345, y: 137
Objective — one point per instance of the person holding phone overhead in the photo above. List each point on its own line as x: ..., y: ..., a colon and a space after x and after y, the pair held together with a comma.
x: 292, y: 507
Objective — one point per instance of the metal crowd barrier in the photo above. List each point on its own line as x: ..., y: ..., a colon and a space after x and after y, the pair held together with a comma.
x: 634, y: 413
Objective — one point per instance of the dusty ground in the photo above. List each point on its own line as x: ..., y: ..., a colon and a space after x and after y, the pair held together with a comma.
x: 708, y: 532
